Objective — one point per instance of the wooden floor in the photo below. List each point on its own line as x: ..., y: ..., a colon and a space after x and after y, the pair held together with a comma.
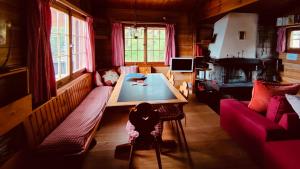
x: 209, y: 146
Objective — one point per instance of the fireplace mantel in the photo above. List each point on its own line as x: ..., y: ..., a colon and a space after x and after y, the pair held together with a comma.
x: 244, y: 63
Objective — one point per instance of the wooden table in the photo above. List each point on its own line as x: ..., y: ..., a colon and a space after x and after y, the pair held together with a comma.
x: 157, y: 91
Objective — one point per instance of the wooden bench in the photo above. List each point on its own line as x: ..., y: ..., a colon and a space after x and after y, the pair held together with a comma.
x: 49, y: 117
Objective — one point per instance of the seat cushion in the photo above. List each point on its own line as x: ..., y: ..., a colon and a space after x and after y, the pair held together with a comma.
x: 282, y: 154
x: 128, y: 69
x: 262, y: 93
x: 110, y: 77
x: 71, y: 135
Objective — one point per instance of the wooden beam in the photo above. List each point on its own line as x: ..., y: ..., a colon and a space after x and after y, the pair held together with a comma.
x: 217, y: 7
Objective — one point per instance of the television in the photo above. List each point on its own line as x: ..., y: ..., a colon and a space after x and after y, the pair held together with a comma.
x: 182, y: 64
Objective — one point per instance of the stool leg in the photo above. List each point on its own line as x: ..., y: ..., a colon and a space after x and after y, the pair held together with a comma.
x: 157, y: 150
x: 178, y: 134
x: 131, y: 155
x: 183, y: 135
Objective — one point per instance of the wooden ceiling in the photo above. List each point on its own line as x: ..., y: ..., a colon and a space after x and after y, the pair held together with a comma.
x: 182, y: 5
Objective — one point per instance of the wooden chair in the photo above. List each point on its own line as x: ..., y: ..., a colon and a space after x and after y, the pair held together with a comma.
x: 169, y: 74
x: 144, y: 128
x: 183, y: 89
x: 175, y: 112
x: 171, y: 80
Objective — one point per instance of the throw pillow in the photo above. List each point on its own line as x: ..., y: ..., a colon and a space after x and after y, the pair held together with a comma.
x: 128, y: 69
x: 277, y: 106
x: 110, y: 77
x: 98, y: 80
x: 262, y: 93
x: 294, y: 102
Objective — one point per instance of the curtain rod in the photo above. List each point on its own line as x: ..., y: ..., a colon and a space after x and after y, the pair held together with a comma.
x: 143, y: 23
x: 72, y: 7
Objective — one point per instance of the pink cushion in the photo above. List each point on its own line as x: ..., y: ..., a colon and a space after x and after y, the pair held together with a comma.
x: 98, y: 79
x: 128, y: 69
x: 277, y: 106
x: 262, y: 93
x: 71, y: 135
x: 110, y: 77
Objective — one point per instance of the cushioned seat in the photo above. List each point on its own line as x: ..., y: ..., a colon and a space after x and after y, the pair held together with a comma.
x: 71, y: 135
x: 282, y: 155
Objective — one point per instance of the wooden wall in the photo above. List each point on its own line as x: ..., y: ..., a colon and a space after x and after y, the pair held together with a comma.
x: 13, y: 11
x: 184, y: 34
x: 291, y: 71
x: 13, y: 85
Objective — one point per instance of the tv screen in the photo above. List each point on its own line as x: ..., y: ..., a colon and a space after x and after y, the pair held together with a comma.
x: 182, y: 64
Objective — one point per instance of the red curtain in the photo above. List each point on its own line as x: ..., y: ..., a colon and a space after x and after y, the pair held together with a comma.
x: 198, y: 50
x: 281, y: 40
x: 42, y: 76
x: 117, y: 45
x: 170, y: 43
x: 90, y: 46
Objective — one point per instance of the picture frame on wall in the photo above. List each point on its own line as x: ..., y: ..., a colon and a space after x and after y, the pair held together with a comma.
x: 2, y: 33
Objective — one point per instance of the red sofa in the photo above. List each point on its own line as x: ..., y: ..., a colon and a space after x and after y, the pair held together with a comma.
x: 253, y: 131
x: 282, y: 154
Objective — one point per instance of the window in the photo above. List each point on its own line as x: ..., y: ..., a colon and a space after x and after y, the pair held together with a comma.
x: 295, y: 39
x: 148, y: 46
x: 61, y: 40
x: 293, y: 43
x: 79, y: 31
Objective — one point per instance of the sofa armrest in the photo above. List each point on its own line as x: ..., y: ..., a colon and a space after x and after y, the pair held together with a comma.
x: 291, y: 123
x: 264, y: 128
x: 241, y: 121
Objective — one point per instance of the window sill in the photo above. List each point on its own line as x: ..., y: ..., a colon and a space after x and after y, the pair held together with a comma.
x: 61, y: 82
x: 155, y: 64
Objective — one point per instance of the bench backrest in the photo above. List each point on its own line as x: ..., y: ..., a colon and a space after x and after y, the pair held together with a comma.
x: 44, y: 119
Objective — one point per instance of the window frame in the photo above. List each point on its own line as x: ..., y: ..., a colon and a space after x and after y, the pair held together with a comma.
x: 72, y: 75
x: 145, y: 63
x: 288, y: 42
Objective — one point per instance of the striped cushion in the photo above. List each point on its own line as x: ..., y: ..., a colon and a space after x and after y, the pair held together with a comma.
x: 128, y: 69
x: 71, y: 135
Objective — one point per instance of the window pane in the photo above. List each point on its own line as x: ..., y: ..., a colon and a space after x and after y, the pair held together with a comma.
x: 156, y: 34
x: 150, y: 33
x: 59, y: 40
x: 134, y: 46
x: 79, y: 40
x: 150, y: 44
x: 162, y: 45
x: 162, y: 34
x: 140, y: 44
x: 156, y: 45
x: 135, y: 49
x: 295, y: 39
x: 140, y: 55
x: 127, y: 56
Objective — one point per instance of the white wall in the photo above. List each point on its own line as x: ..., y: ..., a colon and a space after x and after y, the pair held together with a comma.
x: 227, y: 29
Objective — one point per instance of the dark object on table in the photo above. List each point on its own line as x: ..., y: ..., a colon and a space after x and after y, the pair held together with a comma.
x: 135, y: 76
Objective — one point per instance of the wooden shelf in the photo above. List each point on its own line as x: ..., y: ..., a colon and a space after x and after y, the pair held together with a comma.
x: 13, y: 71
x: 289, y: 26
